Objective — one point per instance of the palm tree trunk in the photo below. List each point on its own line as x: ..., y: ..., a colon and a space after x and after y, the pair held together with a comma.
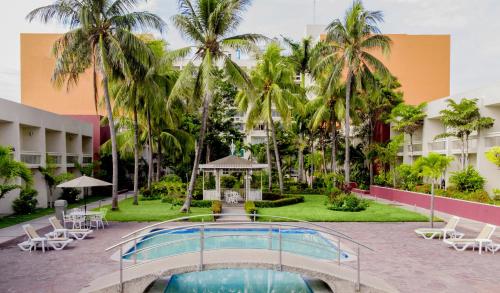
x: 268, y: 154
x: 112, y: 132
x: 347, y: 160
x: 197, y: 154
x: 334, y: 146
x: 158, y: 161
x: 312, y: 162
x: 411, y: 148
x: 466, y: 151
x: 276, y: 154
x: 323, y: 154
x: 301, y: 159
x: 150, y: 151
x: 136, y: 157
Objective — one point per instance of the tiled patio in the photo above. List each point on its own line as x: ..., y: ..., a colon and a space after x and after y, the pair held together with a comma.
x: 406, y: 262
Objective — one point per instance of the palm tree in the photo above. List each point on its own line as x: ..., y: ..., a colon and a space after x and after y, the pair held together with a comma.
x: 99, y: 38
x: 408, y: 119
x: 462, y: 119
x: 208, y: 25
x: 274, y: 90
x: 10, y: 170
x: 349, y: 43
x: 433, y: 167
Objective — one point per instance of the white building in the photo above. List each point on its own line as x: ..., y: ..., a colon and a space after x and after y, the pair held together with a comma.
x: 424, y: 142
x: 35, y: 135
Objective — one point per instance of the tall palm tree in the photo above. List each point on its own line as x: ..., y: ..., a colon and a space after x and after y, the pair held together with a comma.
x: 274, y: 90
x: 10, y: 170
x: 349, y: 43
x: 99, y: 38
x: 208, y: 24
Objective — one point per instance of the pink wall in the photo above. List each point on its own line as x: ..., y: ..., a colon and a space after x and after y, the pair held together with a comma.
x: 467, y: 209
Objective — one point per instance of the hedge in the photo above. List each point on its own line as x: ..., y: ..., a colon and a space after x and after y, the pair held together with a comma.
x: 194, y: 203
x: 250, y: 207
x: 284, y: 201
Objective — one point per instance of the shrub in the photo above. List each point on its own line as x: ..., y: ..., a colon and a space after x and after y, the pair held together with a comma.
x: 467, y: 180
x: 216, y: 207
x: 171, y: 178
x: 146, y: 194
x: 70, y: 194
x: 493, y: 155
x: 383, y: 179
x: 496, y: 194
x: 408, y: 177
x: 178, y: 201
x: 348, y: 203
x: 424, y: 188
x: 26, y: 202
x: 227, y: 181
x: 287, y: 200
x: 250, y: 207
x: 271, y: 196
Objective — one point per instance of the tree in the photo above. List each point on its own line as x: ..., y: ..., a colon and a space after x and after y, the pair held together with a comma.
x: 100, y: 38
x: 379, y: 98
x: 461, y: 120
x: 432, y: 167
x: 493, y: 155
x: 408, y: 119
x: 208, y: 24
x: 274, y: 90
x: 52, y: 179
x: 11, y: 170
x: 388, y: 154
x: 349, y: 44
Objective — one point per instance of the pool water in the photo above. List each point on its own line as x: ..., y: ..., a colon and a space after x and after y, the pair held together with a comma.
x: 299, y: 241
x: 237, y: 281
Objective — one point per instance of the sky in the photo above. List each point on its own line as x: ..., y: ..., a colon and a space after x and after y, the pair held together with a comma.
x: 474, y: 27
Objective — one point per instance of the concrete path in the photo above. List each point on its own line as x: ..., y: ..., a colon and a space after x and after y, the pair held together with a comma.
x: 10, y: 233
x: 464, y: 223
x: 233, y: 210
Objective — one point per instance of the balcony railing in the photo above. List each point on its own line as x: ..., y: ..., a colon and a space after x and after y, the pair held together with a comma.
x: 492, y: 140
x: 31, y: 158
x: 437, y: 146
x: 417, y: 147
x: 87, y: 159
x: 456, y: 145
x: 71, y: 159
x: 54, y: 157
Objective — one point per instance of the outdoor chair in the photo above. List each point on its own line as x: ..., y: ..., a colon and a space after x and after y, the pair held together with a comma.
x: 59, y: 230
x: 57, y: 243
x: 448, y: 230
x: 104, y: 212
x: 482, y: 240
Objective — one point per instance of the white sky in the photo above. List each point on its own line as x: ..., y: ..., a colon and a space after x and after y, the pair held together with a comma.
x: 474, y: 27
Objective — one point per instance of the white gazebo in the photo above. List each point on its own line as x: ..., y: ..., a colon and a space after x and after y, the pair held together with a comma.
x: 232, y: 164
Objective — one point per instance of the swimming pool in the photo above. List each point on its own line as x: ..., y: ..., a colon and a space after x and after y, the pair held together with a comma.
x: 237, y: 280
x: 300, y: 241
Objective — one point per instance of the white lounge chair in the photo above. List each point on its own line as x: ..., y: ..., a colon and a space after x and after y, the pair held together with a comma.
x: 493, y: 247
x: 59, y: 230
x: 57, y: 243
x: 448, y: 230
x: 483, y: 239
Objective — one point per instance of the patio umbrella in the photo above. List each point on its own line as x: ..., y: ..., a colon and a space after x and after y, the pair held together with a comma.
x: 84, y: 182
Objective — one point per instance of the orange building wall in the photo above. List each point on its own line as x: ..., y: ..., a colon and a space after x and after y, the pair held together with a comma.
x: 422, y: 65
x: 37, y: 90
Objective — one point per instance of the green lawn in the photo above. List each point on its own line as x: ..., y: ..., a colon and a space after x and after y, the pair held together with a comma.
x: 11, y: 220
x: 314, y: 209
x: 151, y: 211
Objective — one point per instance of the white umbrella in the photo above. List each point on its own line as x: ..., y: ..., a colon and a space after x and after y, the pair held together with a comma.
x: 84, y: 182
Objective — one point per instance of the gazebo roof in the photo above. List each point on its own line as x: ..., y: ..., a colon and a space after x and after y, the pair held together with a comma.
x: 233, y: 163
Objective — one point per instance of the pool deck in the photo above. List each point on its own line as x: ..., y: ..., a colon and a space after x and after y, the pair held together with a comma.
x: 408, y: 263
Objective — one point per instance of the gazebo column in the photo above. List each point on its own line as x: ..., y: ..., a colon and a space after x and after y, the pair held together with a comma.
x: 247, y: 185
x: 217, y: 183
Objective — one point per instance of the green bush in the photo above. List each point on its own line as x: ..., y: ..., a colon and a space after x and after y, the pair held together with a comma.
x: 70, y: 194
x: 408, y: 177
x: 424, y: 188
x: 496, y: 194
x: 26, y: 202
x: 348, y: 203
x: 271, y: 196
x: 227, y: 181
x: 250, y: 207
x: 171, y: 178
x: 178, y: 201
x: 146, y: 194
x: 216, y: 207
x: 467, y: 180
x: 383, y: 179
x: 284, y: 201
x: 476, y: 196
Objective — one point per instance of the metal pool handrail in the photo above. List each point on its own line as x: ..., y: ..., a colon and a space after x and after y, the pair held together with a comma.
x: 237, y: 214
x: 202, y: 238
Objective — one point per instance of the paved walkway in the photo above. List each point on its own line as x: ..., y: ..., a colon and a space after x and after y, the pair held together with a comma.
x: 233, y: 210
x: 409, y: 263
x: 10, y: 233
x: 464, y: 223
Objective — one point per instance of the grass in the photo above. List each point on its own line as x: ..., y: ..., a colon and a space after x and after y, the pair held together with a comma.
x: 151, y: 211
x: 11, y: 220
x: 314, y: 209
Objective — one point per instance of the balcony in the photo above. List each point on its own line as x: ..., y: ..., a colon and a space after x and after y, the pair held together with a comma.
x: 54, y: 157
x: 71, y: 159
x: 438, y: 146
x: 456, y: 146
x: 492, y: 140
x: 87, y: 159
x: 417, y: 148
x: 32, y: 159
